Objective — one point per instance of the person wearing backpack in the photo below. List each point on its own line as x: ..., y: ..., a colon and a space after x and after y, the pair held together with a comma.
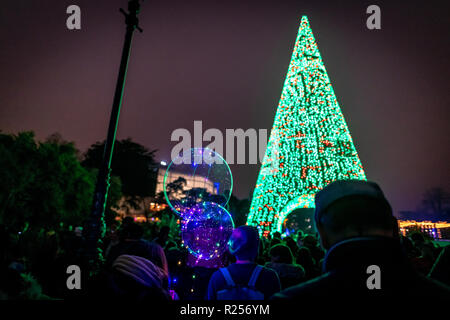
x: 244, y: 279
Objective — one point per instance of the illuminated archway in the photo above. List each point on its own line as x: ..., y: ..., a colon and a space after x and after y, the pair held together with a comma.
x: 305, y: 201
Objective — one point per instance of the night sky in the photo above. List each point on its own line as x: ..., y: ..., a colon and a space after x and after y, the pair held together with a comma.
x: 225, y: 64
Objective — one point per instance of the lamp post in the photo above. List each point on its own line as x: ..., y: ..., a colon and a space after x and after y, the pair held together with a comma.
x: 95, y: 225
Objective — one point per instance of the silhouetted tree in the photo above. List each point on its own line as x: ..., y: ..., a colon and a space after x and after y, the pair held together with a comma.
x: 239, y: 210
x: 436, y: 201
x: 43, y: 184
x: 173, y: 189
x: 134, y: 164
x: 18, y: 161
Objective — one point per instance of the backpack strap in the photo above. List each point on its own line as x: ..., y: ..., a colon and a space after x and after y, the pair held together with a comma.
x: 227, y: 277
x: 254, y: 276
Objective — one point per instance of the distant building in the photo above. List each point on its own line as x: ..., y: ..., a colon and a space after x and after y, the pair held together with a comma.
x: 436, y: 230
x: 192, y: 181
x: 149, y: 205
x: 145, y: 208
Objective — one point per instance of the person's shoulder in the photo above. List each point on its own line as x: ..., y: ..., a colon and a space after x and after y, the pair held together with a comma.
x: 267, y: 271
x: 145, y: 242
x: 268, y: 265
x: 267, y: 268
x: 216, y: 275
x: 299, y: 268
x: 310, y: 288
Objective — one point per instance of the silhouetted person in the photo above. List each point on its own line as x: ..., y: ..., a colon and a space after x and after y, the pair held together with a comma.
x: 299, y: 238
x: 243, y: 280
x: 364, y: 255
x: 308, y: 263
x: 163, y: 236
x: 292, y: 245
x: 131, y: 243
x: 277, y: 235
x: 282, y: 262
x: 408, y: 246
x: 425, y: 257
x: 312, y: 244
x: 275, y: 241
x: 136, y: 279
x: 124, y: 227
x: 136, y: 269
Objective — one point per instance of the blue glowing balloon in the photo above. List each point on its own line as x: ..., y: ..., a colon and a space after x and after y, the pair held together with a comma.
x: 205, y: 230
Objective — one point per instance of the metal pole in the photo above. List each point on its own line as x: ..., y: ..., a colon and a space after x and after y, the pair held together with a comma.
x: 95, y: 227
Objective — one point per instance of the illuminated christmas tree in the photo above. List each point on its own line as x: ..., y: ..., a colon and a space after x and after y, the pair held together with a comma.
x: 309, y: 145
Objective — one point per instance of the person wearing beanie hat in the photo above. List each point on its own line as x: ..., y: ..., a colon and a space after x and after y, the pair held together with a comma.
x: 139, y: 269
x: 352, y: 208
x: 136, y: 278
x: 364, y: 256
x: 244, y: 279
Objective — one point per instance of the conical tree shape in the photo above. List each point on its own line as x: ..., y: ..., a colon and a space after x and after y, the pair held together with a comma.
x: 309, y: 145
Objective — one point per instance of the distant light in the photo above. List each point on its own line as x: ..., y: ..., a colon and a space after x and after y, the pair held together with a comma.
x: 163, y: 163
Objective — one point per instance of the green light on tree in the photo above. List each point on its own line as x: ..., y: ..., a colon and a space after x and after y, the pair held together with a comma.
x: 309, y: 145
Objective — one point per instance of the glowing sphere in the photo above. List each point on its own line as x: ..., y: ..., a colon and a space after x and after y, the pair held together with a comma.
x: 200, y: 175
x: 206, y: 229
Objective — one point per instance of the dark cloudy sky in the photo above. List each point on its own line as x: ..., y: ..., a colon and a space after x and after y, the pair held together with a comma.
x: 224, y: 63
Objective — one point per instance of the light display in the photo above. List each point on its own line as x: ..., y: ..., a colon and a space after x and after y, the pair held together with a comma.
x: 196, y: 184
x: 309, y: 145
x: 205, y: 230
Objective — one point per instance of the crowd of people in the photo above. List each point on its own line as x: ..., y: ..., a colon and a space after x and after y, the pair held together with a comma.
x: 356, y: 229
